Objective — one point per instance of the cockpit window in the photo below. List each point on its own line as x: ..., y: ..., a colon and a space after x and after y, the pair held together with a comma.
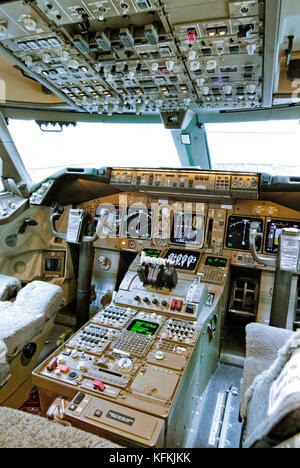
x: 271, y: 146
x: 92, y: 145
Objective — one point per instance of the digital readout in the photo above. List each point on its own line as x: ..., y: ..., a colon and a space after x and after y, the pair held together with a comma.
x: 274, y: 229
x: 143, y: 327
x: 183, y: 259
x: 188, y: 228
x: 238, y: 233
x: 152, y: 253
x: 216, y: 262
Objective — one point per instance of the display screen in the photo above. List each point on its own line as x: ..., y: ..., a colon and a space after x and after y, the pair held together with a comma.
x: 183, y: 259
x: 111, y: 219
x: 216, y: 262
x: 237, y: 236
x: 137, y: 223
x: 188, y: 228
x: 274, y: 228
x: 152, y: 253
x: 143, y: 327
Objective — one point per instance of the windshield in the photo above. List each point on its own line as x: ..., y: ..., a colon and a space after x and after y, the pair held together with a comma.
x: 92, y: 145
x: 272, y: 147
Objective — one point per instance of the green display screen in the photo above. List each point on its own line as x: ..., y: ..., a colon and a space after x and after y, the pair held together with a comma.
x: 152, y: 253
x: 216, y: 262
x: 143, y: 327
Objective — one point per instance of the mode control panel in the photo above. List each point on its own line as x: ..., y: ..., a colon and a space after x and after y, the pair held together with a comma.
x: 229, y: 184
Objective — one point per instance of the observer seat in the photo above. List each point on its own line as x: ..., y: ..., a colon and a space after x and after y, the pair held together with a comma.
x: 270, y: 404
x: 25, y: 324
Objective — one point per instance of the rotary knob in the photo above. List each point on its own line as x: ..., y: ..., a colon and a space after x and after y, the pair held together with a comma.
x: 29, y: 23
x: 125, y: 364
x: 83, y: 366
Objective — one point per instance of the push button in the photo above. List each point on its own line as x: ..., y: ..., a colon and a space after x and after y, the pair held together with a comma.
x: 189, y: 309
x: 79, y: 397
x: 64, y: 369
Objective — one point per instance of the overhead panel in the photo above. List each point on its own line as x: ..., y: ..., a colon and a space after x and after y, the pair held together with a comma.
x: 141, y: 56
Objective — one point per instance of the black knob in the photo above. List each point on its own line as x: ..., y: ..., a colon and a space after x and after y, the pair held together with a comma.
x: 154, y: 301
x: 146, y: 299
x: 164, y: 303
x: 136, y: 298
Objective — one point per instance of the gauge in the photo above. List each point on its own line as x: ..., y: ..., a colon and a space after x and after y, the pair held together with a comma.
x: 110, y: 216
x: 188, y: 228
x: 138, y: 223
x: 274, y: 229
x: 237, y: 236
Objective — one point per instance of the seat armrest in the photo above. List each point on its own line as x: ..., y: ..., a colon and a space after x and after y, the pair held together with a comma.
x: 4, y: 366
x: 9, y: 287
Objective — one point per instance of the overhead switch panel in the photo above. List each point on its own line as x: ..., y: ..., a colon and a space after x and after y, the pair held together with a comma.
x: 140, y: 56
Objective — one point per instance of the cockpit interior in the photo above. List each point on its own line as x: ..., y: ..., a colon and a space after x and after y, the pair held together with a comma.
x: 149, y: 233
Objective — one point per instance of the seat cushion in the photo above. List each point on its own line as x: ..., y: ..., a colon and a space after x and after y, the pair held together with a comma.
x: 23, y: 319
x: 262, y: 345
x: 23, y: 430
x: 272, y: 402
x: 9, y: 286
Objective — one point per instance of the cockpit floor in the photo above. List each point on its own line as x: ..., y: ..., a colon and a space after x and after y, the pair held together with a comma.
x: 220, y: 410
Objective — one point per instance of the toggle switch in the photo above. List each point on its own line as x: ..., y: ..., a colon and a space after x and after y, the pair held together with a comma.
x: 98, y: 385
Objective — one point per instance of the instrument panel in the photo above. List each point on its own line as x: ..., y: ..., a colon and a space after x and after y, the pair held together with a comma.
x: 182, y: 231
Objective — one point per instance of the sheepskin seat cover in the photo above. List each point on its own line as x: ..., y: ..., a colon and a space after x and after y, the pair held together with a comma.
x: 9, y: 286
x: 271, y: 403
x: 23, y: 319
x: 23, y: 430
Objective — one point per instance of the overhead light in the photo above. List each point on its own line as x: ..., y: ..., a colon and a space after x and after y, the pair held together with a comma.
x: 211, y: 32
x: 222, y: 31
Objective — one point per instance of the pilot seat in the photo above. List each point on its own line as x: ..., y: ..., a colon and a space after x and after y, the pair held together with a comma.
x: 25, y: 323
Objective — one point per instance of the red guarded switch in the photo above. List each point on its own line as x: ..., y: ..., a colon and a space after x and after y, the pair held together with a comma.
x: 191, y: 34
x: 52, y: 364
x: 98, y: 385
x: 173, y: 304
x: 179, y: 305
